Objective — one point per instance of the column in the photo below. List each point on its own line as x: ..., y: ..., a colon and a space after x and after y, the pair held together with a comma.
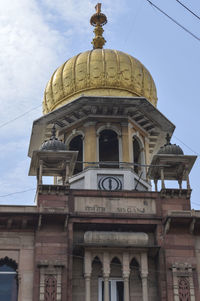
x: 126, y: 274
x: 87, y: 287
x: 106, y: 287
x: 162, y: 177
x: 40, y: 171
x: 87, y: 274
x: 90, y: 147
x: 125, y: 143
x: 106, y: 274
x: 144, y: 286
x: 156, y: 184
x: 187, y: 178
x: 144, y: 274
x: 147, y: 152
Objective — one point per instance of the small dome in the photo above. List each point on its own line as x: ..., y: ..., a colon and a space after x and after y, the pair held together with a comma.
x: 102, y: 72
x: 170, y: 149
x: 53, y: 144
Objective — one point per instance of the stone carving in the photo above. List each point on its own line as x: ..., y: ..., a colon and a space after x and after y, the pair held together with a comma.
x: 183, y: 284
x: 184, y: 289
x: 50, y: 288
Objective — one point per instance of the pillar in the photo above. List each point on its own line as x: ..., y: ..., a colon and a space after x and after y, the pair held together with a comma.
x: 156, y: 184
x: 125, y: 143
x: 187, y: 178
x: 87, y: 286
x: 144, y: 287
x: 126, y: 274
x: 106, y: 274
x: 40, y: 172
x: 162, y: 177
x: 147, y: 151
x: 144, y: 275
x: 87, y: 274
x: 90, y: 145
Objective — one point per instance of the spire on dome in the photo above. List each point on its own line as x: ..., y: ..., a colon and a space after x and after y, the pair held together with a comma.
x: 168, y: 138
x: 98, y: 20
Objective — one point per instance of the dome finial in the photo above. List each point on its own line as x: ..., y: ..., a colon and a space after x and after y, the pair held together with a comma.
x: 53, y: 132
x: 168, y: 138
x: 98, y: 20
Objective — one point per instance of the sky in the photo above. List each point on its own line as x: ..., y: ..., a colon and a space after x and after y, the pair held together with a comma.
x: 37, y: 36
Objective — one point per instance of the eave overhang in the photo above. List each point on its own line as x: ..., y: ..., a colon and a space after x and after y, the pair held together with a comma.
x: 134, y: 109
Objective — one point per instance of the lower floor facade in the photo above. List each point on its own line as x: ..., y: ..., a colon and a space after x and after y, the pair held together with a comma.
x: 100, y: 246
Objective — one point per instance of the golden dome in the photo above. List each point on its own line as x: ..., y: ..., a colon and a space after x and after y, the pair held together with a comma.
x: 99, y: 72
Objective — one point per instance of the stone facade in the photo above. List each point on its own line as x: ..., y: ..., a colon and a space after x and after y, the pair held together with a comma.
x: 58, y: 259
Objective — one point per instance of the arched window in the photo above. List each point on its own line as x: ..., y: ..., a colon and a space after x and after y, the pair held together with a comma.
x: 135, y: 281
x: 116, y: 284
x: 8, y: 280
x: 76, y: 144
x: 108, y: 149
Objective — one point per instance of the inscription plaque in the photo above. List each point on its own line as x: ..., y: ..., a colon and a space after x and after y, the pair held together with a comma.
x: 115, y: 205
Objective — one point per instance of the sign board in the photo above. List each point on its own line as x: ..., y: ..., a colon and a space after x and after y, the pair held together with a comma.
x: 115, y: 205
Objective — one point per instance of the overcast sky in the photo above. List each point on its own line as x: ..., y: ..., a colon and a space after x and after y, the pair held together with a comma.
x: 37, y: 36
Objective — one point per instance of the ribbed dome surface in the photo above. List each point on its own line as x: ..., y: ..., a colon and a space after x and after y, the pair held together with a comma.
x: 53, y: 144
x: 170, y: 149
x: 99, y: 72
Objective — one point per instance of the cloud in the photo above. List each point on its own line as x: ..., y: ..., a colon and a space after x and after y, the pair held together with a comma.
x: 27, y: 51
x: 36, y: 36
x: 77, y: 13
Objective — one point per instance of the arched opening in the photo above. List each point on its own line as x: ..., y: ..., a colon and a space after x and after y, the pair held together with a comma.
x: 8, y: 280
x: 116, y: 281
x: 116, y: 268
x: 135, y: 281
x: 108, y: 149
x: 76, y: 144
x: 96, y: 276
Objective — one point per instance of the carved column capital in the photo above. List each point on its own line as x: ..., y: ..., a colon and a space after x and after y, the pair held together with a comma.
x: 87, y: 276
x: 144, y: 275
x: 106, y: 276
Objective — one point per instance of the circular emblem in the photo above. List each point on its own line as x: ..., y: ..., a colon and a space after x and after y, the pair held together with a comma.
x: 110, y: 183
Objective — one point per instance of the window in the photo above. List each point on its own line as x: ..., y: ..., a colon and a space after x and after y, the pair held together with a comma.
x: 8, y: 280
x: 116, y: 290
x: 108, y: 149
x: 76, y: 144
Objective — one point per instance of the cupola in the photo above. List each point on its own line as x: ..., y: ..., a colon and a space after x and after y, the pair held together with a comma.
x: 102, y: 72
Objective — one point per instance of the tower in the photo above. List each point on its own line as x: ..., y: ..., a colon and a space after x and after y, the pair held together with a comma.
x: 100, y: 232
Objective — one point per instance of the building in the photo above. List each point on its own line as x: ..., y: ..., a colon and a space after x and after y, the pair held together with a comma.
x: 100, y: 232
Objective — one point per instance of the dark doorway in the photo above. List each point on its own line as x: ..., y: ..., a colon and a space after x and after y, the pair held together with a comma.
x: 136, y: 155
x: 108, y: 149
x: 76, y: 144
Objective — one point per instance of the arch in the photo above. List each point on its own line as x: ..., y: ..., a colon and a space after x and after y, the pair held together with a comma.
x: 75, y: 143
x: 73, y: 135
x: 97, y: 273
x: 109, y: 126
x: 8, y: 279
x: 8, y: 261
x: 97, y: 257
x: 116, y: 257
x: 135, y: 280
x: 108, y: 147
x: 138, y: 155
x: 97, y: 266
x: 115, y: 267
x: 134, y: 263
